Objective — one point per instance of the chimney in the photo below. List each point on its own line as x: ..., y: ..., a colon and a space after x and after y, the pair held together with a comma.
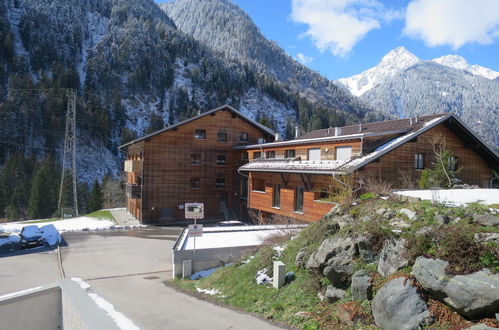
x: 328, y: 131
x: 360, y: 127
x: 410, y: 121
x: 297, y: 131
x: 277, y: 136
x: 416, y: 120
x: 199, y: 112
x: 337, y: 131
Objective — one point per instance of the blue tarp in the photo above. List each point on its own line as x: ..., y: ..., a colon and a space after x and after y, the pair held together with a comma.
x: 31, y: 233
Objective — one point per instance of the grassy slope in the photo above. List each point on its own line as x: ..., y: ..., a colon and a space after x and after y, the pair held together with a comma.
x: 238, y: 288
x: 102, y: 214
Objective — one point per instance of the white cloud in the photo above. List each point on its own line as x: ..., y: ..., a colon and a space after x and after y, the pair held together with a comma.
x: 304, y: 59
x: 453, y: 22
x: 337, y: 25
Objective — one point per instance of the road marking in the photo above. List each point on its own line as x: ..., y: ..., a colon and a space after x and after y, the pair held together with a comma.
x: 126, y: 275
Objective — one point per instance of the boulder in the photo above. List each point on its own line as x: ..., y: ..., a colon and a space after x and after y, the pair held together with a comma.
x: 411, y: 215
x: 392, y: 257
x: 362, y: 288
x: 300, y: 258
x: 474, y: 296
x: 441, y: 219
x: 339, y: 275
x: 488, y: 220
x: 398, y: 223
x: 381, y: 211
x: 365, y: 249
x: 333, y: 250
x: 398, y: 305
x: 344, y: 220
x: 334, y: 294
x: 480, y: 326
x: 487, y: 237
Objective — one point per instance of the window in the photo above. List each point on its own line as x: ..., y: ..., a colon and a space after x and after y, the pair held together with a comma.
x: 195, y: 183
x: 453, y: 163
x: 257, y: 155
x: 222, y: 137
x: 195, y: 159
x: 244, y: 188
x: 343, y: 153
x: 276, y: 196
x: 258, y: 185
x: 270, y: 154
x: 419, y: 161
x: 314, y: 154
x: 220, y: 183
x: 261, y: 140
x: 221, y: 160
x: 243, y: 137
x: 200, y: 134
x: 298, y: 207
x: 290, y: 153
x: 244, y: 156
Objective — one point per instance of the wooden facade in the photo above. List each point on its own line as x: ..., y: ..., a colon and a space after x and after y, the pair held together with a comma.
x: 262, y: 199
x: 192, y: 162
x: 476, y: 168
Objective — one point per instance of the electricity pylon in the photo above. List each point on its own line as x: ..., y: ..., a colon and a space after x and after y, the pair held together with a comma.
x: 69, y: 155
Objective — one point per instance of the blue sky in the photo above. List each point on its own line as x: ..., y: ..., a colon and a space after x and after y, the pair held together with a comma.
x: 340, y: 38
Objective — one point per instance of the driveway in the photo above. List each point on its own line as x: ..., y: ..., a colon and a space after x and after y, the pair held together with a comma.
x: 127, y: 268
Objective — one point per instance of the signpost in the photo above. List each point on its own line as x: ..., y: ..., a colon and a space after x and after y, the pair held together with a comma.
x: 194, y: 211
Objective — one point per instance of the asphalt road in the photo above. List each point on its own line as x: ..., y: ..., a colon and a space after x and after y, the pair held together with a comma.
x: 127, y: 268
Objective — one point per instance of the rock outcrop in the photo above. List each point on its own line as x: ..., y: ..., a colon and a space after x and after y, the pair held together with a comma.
x: 392, y: 257
x: 473, y: 296
x: 398, y: 305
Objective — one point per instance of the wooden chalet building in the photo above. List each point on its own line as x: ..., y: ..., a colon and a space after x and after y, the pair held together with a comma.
x: 192, y: 161
x: 285, y: 176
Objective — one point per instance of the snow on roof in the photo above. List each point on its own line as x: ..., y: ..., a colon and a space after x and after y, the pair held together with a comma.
x: 334, y: 166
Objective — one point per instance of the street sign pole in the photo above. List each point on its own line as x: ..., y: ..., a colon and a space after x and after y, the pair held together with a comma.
x: 194, y: 211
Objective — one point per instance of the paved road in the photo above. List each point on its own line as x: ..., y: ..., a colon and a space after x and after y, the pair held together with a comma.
x: 127, y: 268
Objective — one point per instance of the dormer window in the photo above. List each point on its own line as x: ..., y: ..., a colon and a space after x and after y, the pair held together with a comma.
x: 200, y: 134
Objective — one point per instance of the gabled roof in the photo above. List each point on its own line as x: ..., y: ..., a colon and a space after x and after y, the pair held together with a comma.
x: 347, y: 166
x: 224, y: 107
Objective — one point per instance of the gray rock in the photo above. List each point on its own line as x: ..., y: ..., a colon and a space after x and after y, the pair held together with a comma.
x: 397, y: 306
x: 362, y: 288
x: 334, y: 294
x: 321, y: 296
x: 488, y: 220
x: 457, y: 220
x: 344, y: 220
x: 333, y: 250
x: 300, y: 258
x: 380, y: 211
x: 339, y: 275
x: 423, y: 231
x: 398, y: 223
x: 392, y: 257
x: 441, y: 219
x: 389, y: 214
x: 487, y: 237
x: 480, y: 326
x: 365, y: 248
x: 474, y: 295
x: 411, y: 215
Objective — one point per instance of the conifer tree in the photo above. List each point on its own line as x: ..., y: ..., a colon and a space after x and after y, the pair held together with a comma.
x: 95, y: 198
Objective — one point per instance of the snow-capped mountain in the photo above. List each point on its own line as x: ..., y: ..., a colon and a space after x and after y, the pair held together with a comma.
x: 458, y: 62
x: 392, y: 63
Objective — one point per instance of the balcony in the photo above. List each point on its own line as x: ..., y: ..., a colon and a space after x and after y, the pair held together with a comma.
x: 132, y: 166
x: 133, y: 191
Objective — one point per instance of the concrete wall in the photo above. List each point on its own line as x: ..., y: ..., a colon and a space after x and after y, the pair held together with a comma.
x: 64, y: 305
x: 206, y: 258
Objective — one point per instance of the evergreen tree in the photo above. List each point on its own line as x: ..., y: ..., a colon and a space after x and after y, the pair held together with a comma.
x: 44, y: 190
x: 95, y: 198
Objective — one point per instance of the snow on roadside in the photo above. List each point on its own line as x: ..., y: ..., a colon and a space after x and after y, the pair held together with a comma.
x: 210, y: 292
x: 121, y: 320
x: 74, y: 224
x: 207, y: 272
x: 456, y: 197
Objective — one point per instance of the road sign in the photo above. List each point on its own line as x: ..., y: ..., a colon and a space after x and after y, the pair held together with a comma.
x: 194, y: 210
x: 195, y: 230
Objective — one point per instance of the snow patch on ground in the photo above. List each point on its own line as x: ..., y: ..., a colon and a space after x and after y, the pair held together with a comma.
x: 74, y: 224
x: 279, y: 249
x: 210, y: 292
x: 262, y: 277
x: 121, y: 320
x: 456, y: 197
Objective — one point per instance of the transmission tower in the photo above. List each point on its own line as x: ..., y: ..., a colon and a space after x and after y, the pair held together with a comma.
x: 69, y: 155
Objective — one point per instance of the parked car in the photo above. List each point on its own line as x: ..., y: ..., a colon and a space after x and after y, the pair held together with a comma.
x: 31, y: 236
x: 51, y: 236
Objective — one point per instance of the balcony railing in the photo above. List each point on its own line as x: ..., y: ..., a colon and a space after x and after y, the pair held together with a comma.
x: 133, y: 191
x: 132, y: 166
